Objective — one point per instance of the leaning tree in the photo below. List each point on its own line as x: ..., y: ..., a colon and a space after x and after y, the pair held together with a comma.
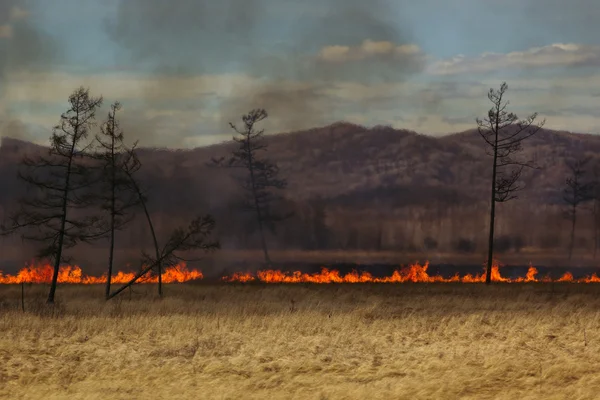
x: 59, y: 183
x: 196, y: 237
x: 115, y: 194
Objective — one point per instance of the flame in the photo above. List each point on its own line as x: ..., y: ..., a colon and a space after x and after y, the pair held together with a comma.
x: 412, y: 273
x: 42, y: 273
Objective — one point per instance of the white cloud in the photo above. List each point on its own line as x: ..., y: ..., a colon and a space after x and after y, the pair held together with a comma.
x: 194, y: 110
x: 369, y: 49
x: 554, y: 55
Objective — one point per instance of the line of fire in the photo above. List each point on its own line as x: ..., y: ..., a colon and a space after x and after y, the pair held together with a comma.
x: 415, y: 273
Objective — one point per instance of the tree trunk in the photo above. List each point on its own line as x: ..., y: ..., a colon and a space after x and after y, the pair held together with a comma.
x: 259, y: 216
x: 63, y: 221
x: 111, y: 250
x: 155, y: 241
x: 110, y: 255
x: 596, y: 227
x: 142, y: 272
x: 572, y: 236
x: 490, y: 258
x: 264, y: 243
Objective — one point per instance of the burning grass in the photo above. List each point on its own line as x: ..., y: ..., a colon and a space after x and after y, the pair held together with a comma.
x: 234, y: 341
x: 415, y: 273
x: 42, y: 273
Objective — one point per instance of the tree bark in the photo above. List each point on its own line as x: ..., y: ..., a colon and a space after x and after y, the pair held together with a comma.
x: 572, y: 236
x: 112, y: 215
x: 63, y: 222
x: 142, y: 272
x: 490, y: 258
x: 257, y: 207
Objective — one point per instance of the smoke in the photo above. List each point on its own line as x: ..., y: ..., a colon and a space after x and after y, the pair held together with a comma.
x: 275, y: 44
x: 22, y: 49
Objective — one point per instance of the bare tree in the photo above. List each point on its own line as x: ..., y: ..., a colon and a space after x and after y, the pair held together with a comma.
x: 195, y: 237
x: 181, y: 240
x: 262, y: 174
x: 60, y: 182
x: 576, y: 192
x: 504, y: 134
x: 115, y: 194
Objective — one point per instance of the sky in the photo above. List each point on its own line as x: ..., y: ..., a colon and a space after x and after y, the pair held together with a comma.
x: 184, y: 69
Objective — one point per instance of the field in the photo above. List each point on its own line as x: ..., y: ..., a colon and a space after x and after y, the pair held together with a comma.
x: 302, y: 341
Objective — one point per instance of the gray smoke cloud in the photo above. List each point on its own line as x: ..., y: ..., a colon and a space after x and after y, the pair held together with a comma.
x: 203, y: 36
x: 22, y: 48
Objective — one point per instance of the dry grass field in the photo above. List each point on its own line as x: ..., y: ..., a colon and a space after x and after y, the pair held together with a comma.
x: 406, y: 341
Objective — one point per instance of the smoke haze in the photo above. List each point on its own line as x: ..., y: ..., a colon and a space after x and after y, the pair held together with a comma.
x: 205, y: 37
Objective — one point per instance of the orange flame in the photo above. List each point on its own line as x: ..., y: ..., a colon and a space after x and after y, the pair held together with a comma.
x: 42, y: 273
x: 412, y: 273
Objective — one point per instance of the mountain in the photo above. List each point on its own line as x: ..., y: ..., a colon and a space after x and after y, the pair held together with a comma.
x: 353, y: 187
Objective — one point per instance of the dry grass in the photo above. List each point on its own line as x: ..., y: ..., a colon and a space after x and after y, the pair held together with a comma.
x: 300, y: 341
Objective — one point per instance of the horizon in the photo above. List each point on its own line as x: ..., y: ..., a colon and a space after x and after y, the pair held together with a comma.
x: 183, y: 73
x: 229, y: 140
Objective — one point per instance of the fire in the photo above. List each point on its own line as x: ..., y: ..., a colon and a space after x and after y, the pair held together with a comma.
x: 417, y: 273
x: 412, y: 273
x: 42, y: 273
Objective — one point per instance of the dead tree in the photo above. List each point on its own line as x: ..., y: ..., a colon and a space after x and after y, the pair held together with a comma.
x: 504, y: 134
x: 261, y: 177
x: 196, y: 237
x: 59, y: 183
x: 576, y: 192
x: 115, y: 194
x: 131, y: 166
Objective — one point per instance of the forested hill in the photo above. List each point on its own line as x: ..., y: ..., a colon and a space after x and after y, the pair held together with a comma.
x: 412, y: 187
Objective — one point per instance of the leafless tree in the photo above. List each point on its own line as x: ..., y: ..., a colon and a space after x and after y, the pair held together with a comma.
x: 115, y: 194
x: 262, y: 175
x: 195, y: 237
x: 53, y: 213
x: 576, y: 192
x: 504, y: 134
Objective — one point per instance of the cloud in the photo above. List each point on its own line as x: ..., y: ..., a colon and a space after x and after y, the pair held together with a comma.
x: 184, y: 111
x: 369, y: 50
x: 274, y: 43
x: 555, y: 55
x: 291, y: 105
x: 10, y: 12
x: 459, y: 120
x: 22, y: 48
x: 18, y: 13
x: 571, y: 111
x: 52, y: 86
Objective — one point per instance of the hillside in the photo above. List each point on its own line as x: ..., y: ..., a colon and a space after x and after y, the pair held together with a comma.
x: 352, y: 187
